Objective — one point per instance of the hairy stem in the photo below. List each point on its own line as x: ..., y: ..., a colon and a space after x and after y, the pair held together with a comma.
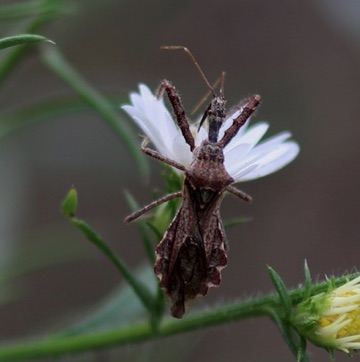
x: 55, y: 346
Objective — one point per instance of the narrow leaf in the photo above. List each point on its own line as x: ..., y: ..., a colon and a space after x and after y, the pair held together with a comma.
x: 22, y: 39
x: 303, y: 355
x: 308, y: 281
x: 16, y: 54
x: 296, y: 343
x: 281, y: 289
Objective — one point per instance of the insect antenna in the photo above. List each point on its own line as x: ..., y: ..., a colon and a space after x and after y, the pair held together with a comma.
x: 188, y: 52
x: 215, y: 112
x: 206, y: 96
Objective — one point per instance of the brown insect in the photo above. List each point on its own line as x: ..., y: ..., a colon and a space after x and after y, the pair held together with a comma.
x: 192, y: 253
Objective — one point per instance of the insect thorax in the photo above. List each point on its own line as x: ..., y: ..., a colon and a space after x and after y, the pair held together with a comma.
x: 207, y: 169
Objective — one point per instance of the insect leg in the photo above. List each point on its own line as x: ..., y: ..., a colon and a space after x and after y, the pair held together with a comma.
x: 241, y: 194
x: 160, y: 157
x: 178, y: 109
x: 153, y: 204
x: 247, y: 111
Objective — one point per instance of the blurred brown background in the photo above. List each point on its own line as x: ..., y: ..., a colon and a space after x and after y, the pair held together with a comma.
x: 302, y: 57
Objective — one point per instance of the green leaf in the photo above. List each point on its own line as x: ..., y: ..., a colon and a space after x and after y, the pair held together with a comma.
x: 70, y: 203
x: 308, y: 281
x: 15, y: 55
x: 22, y: 39
x: 174, y: 181
x: 281, y: 289
x: 295, y: 342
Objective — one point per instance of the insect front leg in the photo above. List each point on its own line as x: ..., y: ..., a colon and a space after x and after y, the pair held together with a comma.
x: 153, y: 204
x: 158, y: 156
x: 248, y: 109
x: 178, y: 109
x: 241, y: 194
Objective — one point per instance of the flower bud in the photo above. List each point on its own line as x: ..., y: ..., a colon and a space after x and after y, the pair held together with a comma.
x: 332, y: 320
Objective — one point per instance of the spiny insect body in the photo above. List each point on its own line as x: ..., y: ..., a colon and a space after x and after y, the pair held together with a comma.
x: 192, y: 253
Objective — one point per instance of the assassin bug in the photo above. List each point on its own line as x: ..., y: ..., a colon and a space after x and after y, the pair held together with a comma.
x: 192, y: 253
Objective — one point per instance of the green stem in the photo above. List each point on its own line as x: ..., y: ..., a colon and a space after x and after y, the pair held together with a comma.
x: 55, y: 346
x: 59, y: 65
x: 141, y: 291
x: 134, y: 333
x: 44, y: 111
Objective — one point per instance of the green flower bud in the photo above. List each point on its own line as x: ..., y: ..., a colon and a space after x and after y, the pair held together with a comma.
x: 332, y: 320
x: 69, y: 205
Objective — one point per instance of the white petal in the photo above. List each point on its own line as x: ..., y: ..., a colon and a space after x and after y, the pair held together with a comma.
x: 229, y: 121
x: 245, y: 159
x: 274, y: 161
x: 234, y: 160
x: 151, y: 115
x: 236, y: 152
x: 251, y: 136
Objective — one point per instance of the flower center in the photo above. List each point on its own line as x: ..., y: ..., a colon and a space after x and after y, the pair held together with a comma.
x: 351, y: 319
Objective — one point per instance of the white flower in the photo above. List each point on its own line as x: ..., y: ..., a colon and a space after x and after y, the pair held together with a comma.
x: 245, y: 158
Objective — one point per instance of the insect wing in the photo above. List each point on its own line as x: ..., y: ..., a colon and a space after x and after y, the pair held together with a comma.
x: 215, y: 245
x: 191, y: 256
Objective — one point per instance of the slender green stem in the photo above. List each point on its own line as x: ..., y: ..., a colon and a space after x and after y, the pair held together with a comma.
x: 69, y: 208
x: 43, y: 111
x: 134, y: 333
x: 143, y: 228
x: 141, y: 290
x: 55, y: 346
x: 59, y: 65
